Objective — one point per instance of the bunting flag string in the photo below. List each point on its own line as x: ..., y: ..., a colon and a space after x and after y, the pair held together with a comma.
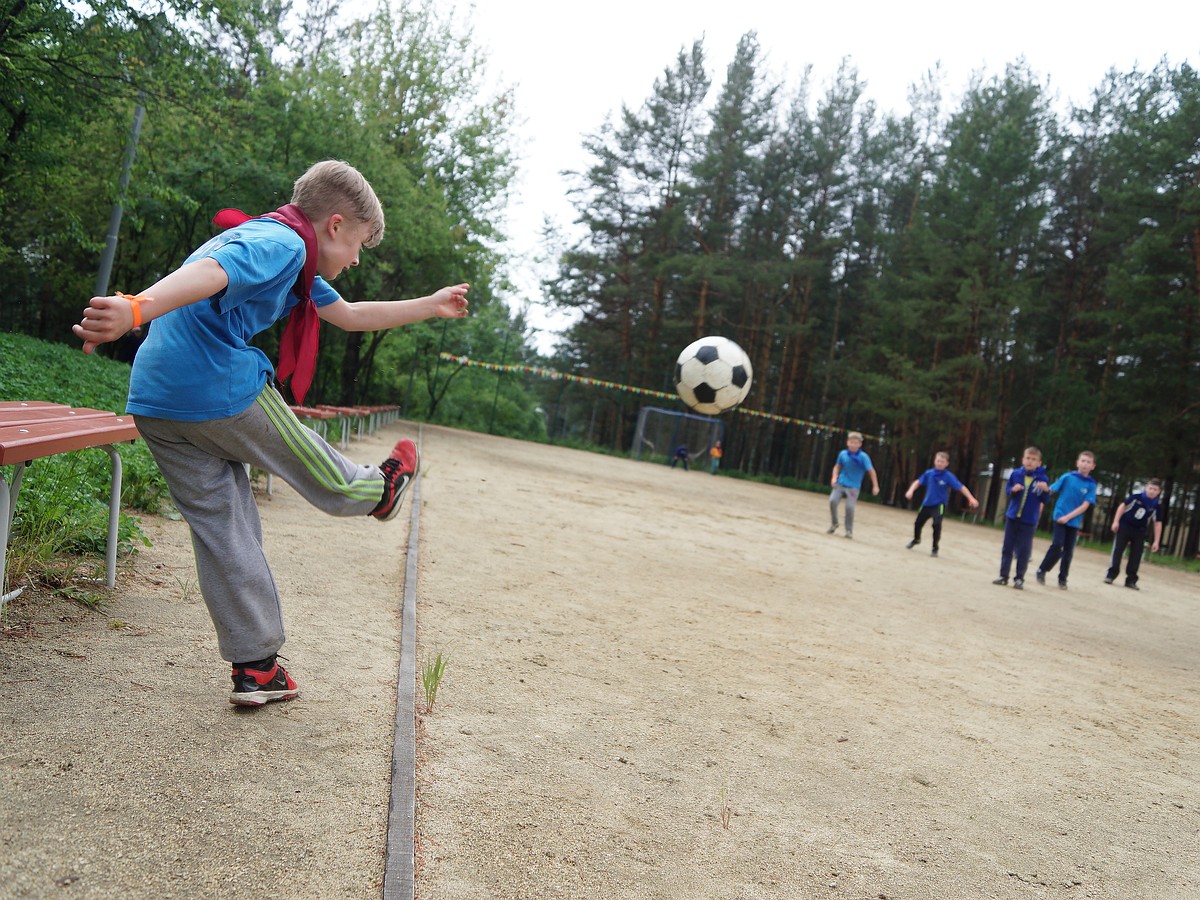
x: 555, y: 375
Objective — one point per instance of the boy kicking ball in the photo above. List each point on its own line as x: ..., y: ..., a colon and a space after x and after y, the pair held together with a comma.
x: 203, y: 401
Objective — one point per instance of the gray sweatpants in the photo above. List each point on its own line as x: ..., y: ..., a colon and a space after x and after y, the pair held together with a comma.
x: 204, y: 467
x: 851, y: 494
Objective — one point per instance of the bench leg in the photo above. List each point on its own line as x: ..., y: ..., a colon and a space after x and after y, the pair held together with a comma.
x: 8, y: 505
x: 114, y: 516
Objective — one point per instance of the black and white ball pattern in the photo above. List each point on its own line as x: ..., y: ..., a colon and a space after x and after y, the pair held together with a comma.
x: 712, y: 375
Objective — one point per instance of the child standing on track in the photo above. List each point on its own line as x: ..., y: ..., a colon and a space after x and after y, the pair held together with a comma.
x: 1026, y: 490
x: 852, y: 464
x: 1076, y: 494
x: 1133, y: 517
x: 939, y: 482
x: 203, y: 400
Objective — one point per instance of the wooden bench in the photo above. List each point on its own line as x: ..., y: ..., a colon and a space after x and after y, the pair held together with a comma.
x: 32, y: 430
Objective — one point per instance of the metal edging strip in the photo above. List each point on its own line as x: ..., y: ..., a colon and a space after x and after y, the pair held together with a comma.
x: 399, y: 869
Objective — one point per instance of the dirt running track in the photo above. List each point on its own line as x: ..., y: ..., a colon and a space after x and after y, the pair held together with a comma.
x: 661, y: 685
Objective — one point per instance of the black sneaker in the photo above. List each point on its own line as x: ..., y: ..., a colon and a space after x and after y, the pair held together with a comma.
x: 911, y: 544
x: 1040, y: 576
x: 832, y: 528
x: 1133, y: 587
x: 254, y: 687
x: 399, y: 469
x: 1062, y: 585
x: 1001, y: 581
x: 1019, y: 584
x: 933, y: 552
x: 1110, y: 580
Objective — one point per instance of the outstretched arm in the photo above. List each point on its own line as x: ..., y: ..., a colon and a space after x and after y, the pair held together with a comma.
x: 108, y: 318
x: 377, y: 315
x: 912, y: 489
x: 874, y: 482
x: 971, y: 501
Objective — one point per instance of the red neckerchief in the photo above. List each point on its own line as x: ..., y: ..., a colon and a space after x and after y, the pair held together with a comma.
x: 298, y: 345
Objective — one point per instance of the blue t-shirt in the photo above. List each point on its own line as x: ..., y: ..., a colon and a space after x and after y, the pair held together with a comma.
x: 1026, y: 504
x: 1072, y: 489
x: 196, y: 363
x: 938, y: 485
x: 852, y: 468
x: 1140, y: 512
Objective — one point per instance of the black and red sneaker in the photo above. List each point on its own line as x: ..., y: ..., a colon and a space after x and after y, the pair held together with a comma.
x: 259, y: 682
x: 399, y: 470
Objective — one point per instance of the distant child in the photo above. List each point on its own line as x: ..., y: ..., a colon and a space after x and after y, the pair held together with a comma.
x: 682, y: 455
x: 1133, y: 517
x: 939, y: 482
x: 203, y: 401
x: 852, y: 464
x: 1026, y: 490
x: 1076, y: 494
x: 715, y: 455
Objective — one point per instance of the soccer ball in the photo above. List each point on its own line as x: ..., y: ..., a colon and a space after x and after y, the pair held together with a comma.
x: 712, y: 375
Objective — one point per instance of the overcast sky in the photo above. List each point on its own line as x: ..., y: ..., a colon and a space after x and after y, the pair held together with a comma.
x: 573, y: 64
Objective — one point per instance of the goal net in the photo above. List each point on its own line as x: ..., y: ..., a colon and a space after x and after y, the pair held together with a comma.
x: 660, y: 432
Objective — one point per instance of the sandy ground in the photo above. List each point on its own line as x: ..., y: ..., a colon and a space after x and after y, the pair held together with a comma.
x: 660, y: 684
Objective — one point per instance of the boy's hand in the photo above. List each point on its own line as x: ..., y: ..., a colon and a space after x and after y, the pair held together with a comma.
x: 1116, y: 527
x: 1017, y: 488
x: 106, y: 319
x: 973, y: 503
x: 1154, y: 547
x: 908, y: 495
x: 451, y: 302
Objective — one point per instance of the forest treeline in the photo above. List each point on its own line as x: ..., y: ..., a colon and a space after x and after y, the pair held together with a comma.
x: 976, y: 279
x: 973, y: 277
x: 236, y: 100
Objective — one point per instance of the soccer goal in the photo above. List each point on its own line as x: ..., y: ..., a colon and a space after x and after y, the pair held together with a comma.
x: 660, y: 432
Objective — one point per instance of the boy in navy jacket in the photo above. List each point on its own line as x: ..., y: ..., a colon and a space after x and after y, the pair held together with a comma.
x: 1026, y: 491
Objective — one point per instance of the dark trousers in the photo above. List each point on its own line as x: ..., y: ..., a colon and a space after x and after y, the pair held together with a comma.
x: 1062, y: 546
x: 927, y: 513
x: 1018, y: 542
x: 1135, y: 539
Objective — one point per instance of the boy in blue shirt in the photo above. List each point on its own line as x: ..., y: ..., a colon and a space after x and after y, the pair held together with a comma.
x: 1076, y: 494
x: 852, y: 464
x: 939, y: 482
x: 1026, y: 490
x: 203, y: 400
x: 1133, y: 517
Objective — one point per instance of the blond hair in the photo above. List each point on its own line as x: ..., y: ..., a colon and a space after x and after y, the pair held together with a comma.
x: 854, y: 435
x: 333, y: 186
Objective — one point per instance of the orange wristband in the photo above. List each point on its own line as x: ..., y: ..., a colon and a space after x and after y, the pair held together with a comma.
x: 135, y: 304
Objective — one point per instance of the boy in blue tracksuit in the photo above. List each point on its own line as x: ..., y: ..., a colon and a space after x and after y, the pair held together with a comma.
x: 1133, y: 519
x: 1076, y: 494
x: 939, y: 482
x: 1026, y: 490
x: 852, y: 464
